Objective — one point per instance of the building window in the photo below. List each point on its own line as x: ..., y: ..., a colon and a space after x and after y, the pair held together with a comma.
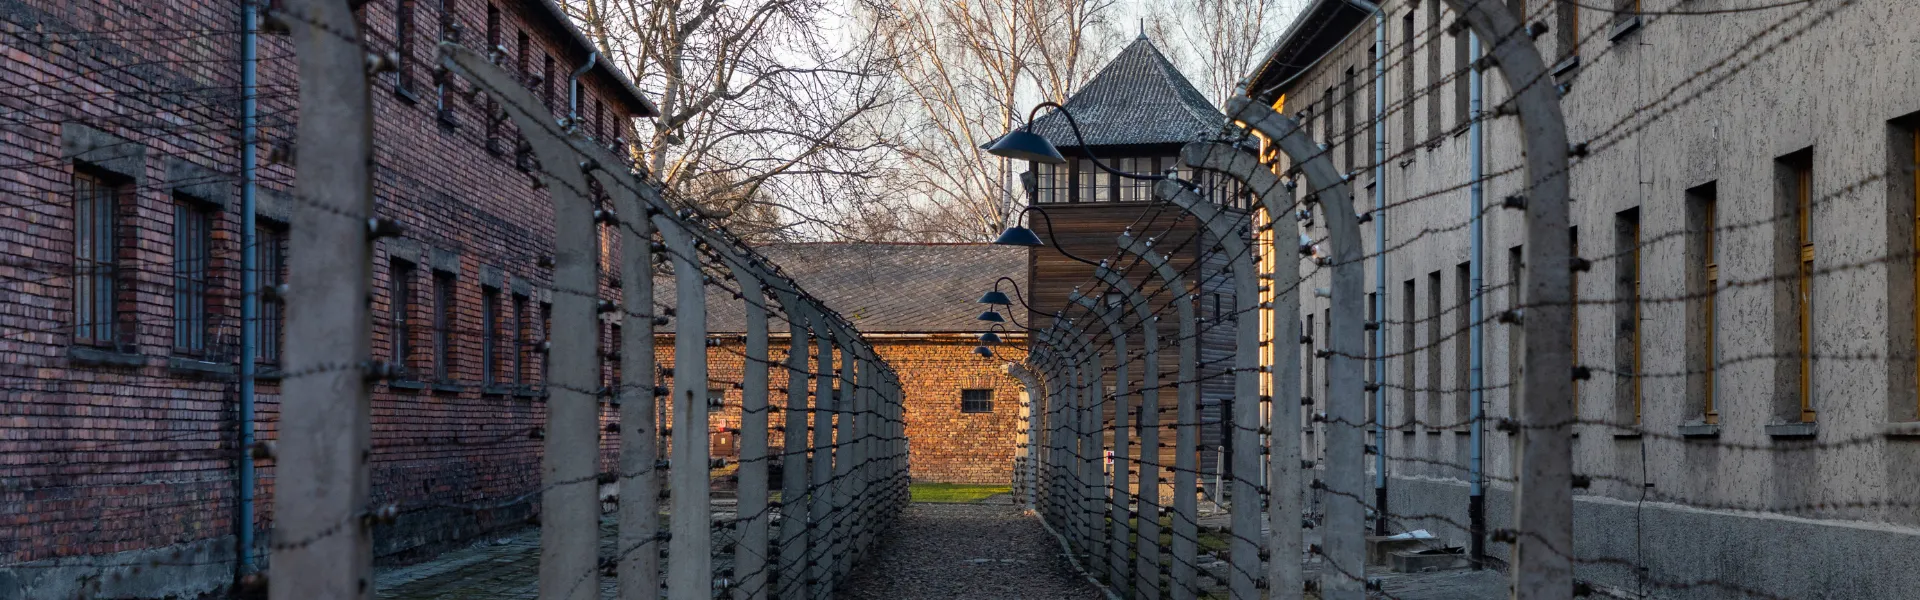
x: 1515, y: 268
x: 445, y: 316
x: 613, y: 358
x: 400, y: 304
x: 96, y: 294
x: 546, y: 81
x: 1330, y: 100
x: 1408, y: 317
x: 976, y: 401
x: 1434, y: 77
x: 1350, y: 99
x: 403, y: 46
x: 1050, y: 183
x: 1462, y: 351
x: 599, y: 120
x: 1096, y: 185
x: 521, y: 45
x: 1407, y: 38
x: 270, y: 261
x: 546, y: 335
x: 716, y: 400
x: 192, y: 245
x: 1913, y: 162
x: 1628, y: 339
x: 519, y: 340
x: 1306, y: 334
x: 1373, y: 359
x: 449, y: 26
x: 1462, y: 61
x: 489, y: 334
x: 1703, y: 283
x: 1568, y: 15
x: 1573, y: 306
x: 494, y: 52
x: 1799, y: 168
x: 1432, y: 350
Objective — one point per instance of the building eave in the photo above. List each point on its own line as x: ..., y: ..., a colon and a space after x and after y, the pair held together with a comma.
x: 1316, y: 32
x: 629, y: 94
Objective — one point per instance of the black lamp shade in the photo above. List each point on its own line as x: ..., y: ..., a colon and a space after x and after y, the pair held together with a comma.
x: 992, y: 317
x: 996, y: 297
x: 983, y: 351
x: 989, y: 338
x: 1018, y: 236
x: 1021, y: 144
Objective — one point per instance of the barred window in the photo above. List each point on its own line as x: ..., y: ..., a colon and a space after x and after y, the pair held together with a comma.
x: 400, y: 305
x: 444, y: 317
x: 403, y: 46
x: 976, y: 401
x: 270, y: 261
x: 96, y: 264
x: 192, y: 242
x: 519, y: 339
x: 490, y: 332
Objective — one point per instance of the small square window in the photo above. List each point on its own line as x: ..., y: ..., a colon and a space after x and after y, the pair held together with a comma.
x: 716, y: 400
x: 976, y: 401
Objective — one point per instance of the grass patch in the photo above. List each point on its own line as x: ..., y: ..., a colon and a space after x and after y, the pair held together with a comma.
x: 955, y: 492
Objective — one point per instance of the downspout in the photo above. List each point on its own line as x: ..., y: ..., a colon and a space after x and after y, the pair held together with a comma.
x: 573, y: 87
x: 1379, y: 261
x: 1476, y: 493
x: 249, y: 286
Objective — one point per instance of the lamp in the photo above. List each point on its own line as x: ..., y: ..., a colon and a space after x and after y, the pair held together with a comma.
x: 983, y: 351
x: 996, y: 297
x: 1017, y: 235
x: 1023, y: 144
x: 989, y: 338
x: 991, y: 317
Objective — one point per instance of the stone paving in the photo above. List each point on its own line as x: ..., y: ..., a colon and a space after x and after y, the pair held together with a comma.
x: 988, y: 550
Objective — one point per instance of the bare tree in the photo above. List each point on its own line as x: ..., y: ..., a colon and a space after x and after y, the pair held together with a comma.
x: 1217, y: 42
x: 765, y: 106
x: 966, y: 73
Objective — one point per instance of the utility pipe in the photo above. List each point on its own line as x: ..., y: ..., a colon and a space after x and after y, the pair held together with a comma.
x: 249, y: 281
x: 1476, y: 274
x: 1379, y: 262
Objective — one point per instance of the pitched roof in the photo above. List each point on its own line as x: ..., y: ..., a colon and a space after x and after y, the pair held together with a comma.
x: 881, y: 288
x: 1139, y: 98
x: 1314, y: 33
x: 629, y: 95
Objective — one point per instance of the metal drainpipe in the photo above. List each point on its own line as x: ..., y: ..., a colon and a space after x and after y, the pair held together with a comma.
x: 1476, y: 498
x: 1379, y: 260
x: 573, y: 87
x: 249, y: 286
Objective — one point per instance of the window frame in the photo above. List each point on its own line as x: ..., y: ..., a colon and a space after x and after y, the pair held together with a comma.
x: 446, y: 304
x: 97, y: 310
x: 402, y: 295
x: 270, y: 239
x: 194, y: 222
x: 972, y: 406
x: 490, y: 323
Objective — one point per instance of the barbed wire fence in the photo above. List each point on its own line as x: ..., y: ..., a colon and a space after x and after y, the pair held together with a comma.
x: 1097, y: 386
x: 819, y: 474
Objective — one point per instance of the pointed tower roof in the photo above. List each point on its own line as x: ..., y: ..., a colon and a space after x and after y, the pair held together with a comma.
x: 1139, y: 98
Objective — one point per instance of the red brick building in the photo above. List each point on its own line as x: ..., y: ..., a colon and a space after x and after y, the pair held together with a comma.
x: 120, y: 250
x: 908, y: 301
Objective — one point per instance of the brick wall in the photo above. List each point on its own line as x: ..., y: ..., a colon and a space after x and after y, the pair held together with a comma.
x: 131, y: 446
x: 947, y: 445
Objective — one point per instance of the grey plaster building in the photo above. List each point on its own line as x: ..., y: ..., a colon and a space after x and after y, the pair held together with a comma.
x: 1747, y: 203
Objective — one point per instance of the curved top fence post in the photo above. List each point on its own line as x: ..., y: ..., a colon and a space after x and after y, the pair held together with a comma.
x: 1543, y: 507
x: 1346, y: 459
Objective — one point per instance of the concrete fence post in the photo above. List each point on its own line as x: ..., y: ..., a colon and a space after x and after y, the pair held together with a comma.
x: 322, y: 545
x: 1543, y: 498
x: 1227, y: 229
x: 750, y: 552
x: 1146, y: 493
x: 689, y: 558
x: 1185, y: 524
x: 793, y: 466
x: 1345, y: 530
x: 1284, y: 507
x: 820, y: 507
x: 1120, y: 569
x: 845, y: 450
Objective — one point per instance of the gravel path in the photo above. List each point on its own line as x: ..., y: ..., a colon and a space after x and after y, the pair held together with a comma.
x: 967, y: 551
